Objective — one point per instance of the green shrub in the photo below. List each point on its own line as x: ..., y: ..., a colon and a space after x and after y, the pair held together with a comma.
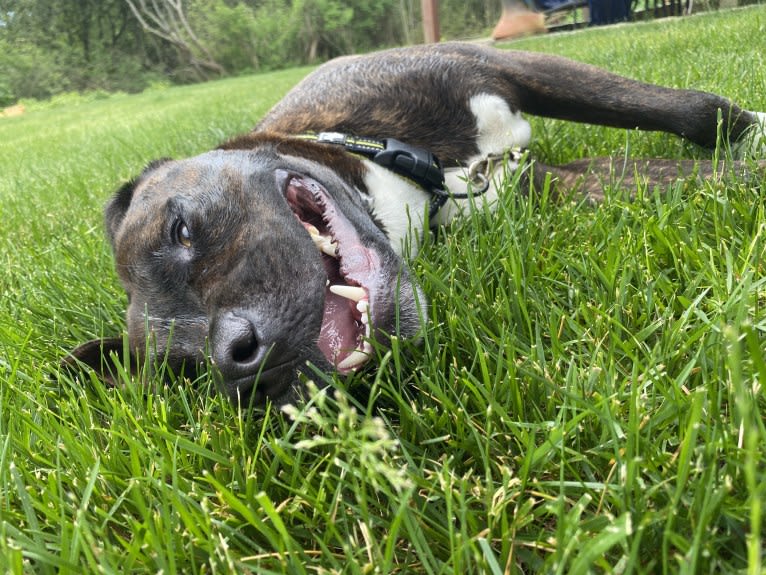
x: 29, y: 71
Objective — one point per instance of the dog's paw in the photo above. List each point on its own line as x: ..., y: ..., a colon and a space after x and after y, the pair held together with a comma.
x: 752, y: 144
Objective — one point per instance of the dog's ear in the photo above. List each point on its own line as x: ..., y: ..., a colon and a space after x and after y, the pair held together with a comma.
x: 118, y: 205
x: 108, y: 358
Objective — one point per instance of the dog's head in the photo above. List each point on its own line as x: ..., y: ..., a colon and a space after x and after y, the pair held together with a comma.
x: 256, y: 262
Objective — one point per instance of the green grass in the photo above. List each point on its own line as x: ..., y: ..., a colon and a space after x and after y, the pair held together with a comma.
x: 587, y: 398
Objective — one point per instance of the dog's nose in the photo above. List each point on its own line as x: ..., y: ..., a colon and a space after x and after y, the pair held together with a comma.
x: 236, y: 348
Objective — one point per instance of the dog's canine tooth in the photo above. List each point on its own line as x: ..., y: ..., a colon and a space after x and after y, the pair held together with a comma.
x: 356, y: 359
x: 353, y: 293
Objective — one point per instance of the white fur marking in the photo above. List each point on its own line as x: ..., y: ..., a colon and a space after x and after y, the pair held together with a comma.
x: 398, y: 204
x: 753, y: 142
x: 498, y: 129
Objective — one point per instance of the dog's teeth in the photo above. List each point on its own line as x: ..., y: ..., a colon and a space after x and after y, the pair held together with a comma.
x: 325, y: 245
x: 353, y: 293
x: 354, y: 360
x: 329, y: 248
x: 319, y: 241
x: 363, y: 307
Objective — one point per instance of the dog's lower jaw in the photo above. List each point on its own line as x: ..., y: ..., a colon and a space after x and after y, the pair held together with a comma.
x: 279, y: 384
x: 248, y: 394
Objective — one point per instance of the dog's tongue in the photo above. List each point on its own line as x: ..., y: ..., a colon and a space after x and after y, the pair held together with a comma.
x: 340, y: 329
x: 339, y: 333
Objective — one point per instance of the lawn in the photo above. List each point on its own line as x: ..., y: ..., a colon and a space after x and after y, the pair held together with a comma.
x: 588, y: 397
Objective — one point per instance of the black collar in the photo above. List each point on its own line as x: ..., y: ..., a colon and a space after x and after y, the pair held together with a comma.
x: 416, y: 164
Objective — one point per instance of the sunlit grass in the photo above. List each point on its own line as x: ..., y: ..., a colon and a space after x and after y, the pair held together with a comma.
x: 587, y: 397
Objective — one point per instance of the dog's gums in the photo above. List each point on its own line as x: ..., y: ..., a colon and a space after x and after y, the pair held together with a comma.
x: 352, y: 272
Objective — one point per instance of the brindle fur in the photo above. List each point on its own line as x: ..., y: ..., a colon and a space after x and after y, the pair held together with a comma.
x: 248, y: 295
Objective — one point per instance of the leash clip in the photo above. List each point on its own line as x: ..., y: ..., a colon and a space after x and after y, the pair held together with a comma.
x: 479, y: 174
x: 480, y: 171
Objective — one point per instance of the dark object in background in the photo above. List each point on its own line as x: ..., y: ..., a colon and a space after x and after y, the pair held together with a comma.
x: 608, y: 11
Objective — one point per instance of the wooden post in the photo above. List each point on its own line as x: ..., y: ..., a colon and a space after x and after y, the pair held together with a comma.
x: 430, y: 11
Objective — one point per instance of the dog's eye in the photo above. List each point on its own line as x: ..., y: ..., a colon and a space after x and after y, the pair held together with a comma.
x: 181, y: 233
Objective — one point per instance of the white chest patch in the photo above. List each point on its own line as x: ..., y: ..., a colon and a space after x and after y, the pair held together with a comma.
x: 398, y: 204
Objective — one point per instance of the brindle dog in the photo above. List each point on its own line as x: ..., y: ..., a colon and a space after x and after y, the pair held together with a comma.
x: 279, y: 249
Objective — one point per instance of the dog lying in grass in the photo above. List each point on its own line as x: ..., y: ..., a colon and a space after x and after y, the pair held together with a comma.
x: 283, y: 248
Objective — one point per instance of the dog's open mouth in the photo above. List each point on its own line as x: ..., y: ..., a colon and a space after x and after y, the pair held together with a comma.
x: 352, y: 271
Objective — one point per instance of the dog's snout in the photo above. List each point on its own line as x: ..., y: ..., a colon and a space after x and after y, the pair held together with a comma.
x: 236, y: 345
x: 252, y: 359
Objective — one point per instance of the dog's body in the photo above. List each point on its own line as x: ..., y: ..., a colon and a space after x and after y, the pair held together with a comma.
x: 279, y: 249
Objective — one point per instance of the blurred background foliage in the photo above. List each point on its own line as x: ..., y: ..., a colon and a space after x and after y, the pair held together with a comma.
x: 49, y: 47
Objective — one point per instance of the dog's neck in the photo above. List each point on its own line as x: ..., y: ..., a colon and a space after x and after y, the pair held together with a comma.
x: 400, y: 205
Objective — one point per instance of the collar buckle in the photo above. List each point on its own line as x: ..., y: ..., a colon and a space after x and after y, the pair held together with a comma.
x: 332, y: 138
x: 411, y: 162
